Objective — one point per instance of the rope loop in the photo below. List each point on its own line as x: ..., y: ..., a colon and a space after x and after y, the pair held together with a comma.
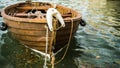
x: 67, y: 46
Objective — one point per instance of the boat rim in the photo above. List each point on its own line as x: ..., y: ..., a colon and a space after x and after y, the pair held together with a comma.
x: 4, y: 15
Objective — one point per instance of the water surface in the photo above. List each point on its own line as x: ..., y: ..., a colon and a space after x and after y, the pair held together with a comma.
x: 95, y: 45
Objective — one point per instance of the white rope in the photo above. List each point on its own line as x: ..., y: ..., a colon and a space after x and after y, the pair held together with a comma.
x: 45, y: 62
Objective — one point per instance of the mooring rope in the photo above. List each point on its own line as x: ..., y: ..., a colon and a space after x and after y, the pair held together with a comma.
x: 50, y: 13
x: 54, y: 41
x: 46, y: 49
x: 67, y: 46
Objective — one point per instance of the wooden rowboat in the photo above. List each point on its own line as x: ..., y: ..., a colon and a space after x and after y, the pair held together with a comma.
x: 29, y: 28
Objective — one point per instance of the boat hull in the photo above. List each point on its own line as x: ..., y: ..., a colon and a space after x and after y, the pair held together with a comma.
x: 32, y: 32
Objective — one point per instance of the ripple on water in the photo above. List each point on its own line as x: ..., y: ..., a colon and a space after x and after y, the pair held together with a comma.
x: 96, y: 44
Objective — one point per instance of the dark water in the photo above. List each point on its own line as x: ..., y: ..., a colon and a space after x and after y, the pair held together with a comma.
x: 96, y: 45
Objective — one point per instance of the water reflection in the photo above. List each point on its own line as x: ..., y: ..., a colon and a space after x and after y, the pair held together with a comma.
x: 100, y: 37
x: 114, y: 16
x: 18, y: 55
x: 96, y: 45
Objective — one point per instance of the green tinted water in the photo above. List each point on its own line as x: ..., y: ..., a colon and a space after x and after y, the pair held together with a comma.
x: 95, y: 45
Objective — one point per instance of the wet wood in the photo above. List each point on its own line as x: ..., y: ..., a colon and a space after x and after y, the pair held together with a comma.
x: 32, y: 32
x: 31, y: 7
x: 33, y: 15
